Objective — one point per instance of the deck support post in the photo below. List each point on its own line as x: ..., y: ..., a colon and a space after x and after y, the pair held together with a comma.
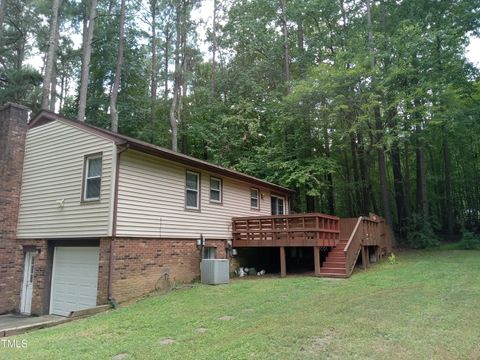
x: 316, y: 257
x: 364, y: 257
x: 283, y: 264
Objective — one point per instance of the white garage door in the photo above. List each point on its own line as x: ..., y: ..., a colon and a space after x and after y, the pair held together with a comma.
x: 74, y: 279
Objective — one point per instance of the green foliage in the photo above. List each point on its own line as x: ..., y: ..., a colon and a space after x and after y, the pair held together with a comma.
x: 421, y: 234
x: 470, y: 240
x: 400, y: 87
x: 392, y: 259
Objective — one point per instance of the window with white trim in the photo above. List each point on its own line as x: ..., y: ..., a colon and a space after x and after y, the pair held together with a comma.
x: 92, y: 177
x: 192, y: 190
x: 254, y: 198
x: 216, y: 190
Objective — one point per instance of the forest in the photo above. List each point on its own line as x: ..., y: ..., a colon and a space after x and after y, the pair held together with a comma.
x: 358, y: 105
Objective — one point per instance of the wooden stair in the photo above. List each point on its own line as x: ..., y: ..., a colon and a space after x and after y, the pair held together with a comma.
x: 335, y: 263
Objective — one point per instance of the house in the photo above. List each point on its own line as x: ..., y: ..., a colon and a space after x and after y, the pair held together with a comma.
x: 89, y: 215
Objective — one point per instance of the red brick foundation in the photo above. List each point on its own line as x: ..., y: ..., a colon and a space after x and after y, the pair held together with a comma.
x: 144, y: 265
x: 140, y: 267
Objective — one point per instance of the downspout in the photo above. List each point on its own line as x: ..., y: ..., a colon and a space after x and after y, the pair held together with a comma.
x: 114, y: 225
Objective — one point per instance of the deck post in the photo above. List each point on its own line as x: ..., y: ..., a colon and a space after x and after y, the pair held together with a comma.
x: 316, y: 256
x: 283, y: 264
x: 364, y: 257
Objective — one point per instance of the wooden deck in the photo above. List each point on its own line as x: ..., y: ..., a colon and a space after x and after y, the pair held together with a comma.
x: 286, y: 230
x: 346, y: 239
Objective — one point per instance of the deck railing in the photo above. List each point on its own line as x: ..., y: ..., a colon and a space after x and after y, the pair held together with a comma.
x: 286, y: 230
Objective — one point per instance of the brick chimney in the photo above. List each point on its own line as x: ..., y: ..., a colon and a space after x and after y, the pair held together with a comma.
x: 13, y: 130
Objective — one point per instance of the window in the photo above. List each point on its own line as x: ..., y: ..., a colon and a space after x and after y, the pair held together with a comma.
x: 216, y: 190
x: 278, y: 205
x: 93, y: 177
x: 254, y: 201
x: 192, y: 190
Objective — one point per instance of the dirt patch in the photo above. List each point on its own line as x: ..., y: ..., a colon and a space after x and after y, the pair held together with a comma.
x: 475, y: 355
x: 201, y: 330
x: 167, y: 341
x: 121, y: 356
x: 248, y: 310
x: 317, y: 344
x: 226, y: 318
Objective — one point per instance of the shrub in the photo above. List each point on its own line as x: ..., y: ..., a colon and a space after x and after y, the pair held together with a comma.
x: 421, y: 234
x: 469, y: 240
x: 392, y: 259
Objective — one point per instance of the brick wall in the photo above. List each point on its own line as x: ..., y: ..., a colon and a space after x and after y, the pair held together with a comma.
x: 103, y: 270
x: 145, y: 265
x: 13, y: 128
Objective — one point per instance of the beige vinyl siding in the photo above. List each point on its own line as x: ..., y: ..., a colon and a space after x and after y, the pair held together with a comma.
x: 53, y: 170
x: 151, y: 201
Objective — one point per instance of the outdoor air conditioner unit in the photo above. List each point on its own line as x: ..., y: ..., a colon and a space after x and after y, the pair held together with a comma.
x: 215, y: 271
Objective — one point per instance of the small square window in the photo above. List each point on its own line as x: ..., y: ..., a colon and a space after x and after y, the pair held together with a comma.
x: 92, y: 178
x: 254, y: 200
x: 216, y: 190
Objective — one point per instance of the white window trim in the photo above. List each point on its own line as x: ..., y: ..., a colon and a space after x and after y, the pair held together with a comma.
x: 197, y: 190
x: 86, y: 177
x: 220, y: 181
x: 258, y: 199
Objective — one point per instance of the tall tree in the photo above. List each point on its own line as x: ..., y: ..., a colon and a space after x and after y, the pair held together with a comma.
x: 214, y: 49
x: 88, y: 31
x: 154, y: 69
x: 118, y: 69
x: 52, y: 49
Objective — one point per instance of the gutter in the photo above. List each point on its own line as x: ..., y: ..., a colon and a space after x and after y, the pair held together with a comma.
x: 114, y: 224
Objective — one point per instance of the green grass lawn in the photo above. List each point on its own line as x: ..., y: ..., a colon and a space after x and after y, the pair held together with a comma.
x: 427, y: 306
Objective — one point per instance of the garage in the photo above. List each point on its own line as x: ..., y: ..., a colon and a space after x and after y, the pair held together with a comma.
x: 74, y: 279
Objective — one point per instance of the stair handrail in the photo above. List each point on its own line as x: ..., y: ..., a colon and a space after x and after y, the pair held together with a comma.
x: 350, y: 261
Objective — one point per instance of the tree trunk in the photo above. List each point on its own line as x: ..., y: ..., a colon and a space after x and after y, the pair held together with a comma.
x: 398, y: 185
x: 53, y: 90
x: 62, y: 93
x: 421, y: 177
x: 52, y: 49
x: 86, y: 56
x: 357, y: 184
x: 118, y: 69
x: 3, y: 7
x: 166, y: 60
x: 366, y: 186
x: 301, y: 48
x: 174, y: 112
x: 286, y: 56
x: 330, y: 191
x: 153, y: 75
x: 214, y: 49
x: 449, y: 217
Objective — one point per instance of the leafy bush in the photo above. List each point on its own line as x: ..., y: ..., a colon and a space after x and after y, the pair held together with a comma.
x: 469, y: 240
x: 421, y: 234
